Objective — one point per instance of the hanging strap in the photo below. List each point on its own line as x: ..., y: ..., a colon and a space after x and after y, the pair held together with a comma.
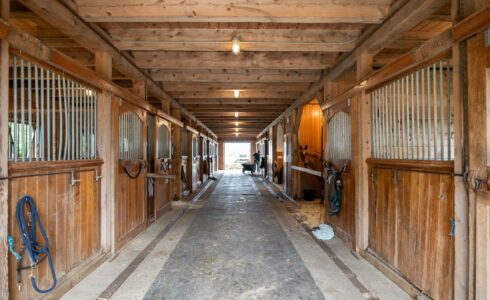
x: 141, y: 166
x: 36, y: 251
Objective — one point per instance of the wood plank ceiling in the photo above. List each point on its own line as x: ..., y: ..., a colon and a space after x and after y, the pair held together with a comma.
x: 285, y: 47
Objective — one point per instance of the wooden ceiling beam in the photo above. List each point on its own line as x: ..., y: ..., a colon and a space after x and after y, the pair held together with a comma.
x: 210, y: 39
x: 229, y: 86
x: 298, y: 11
x: 241, y: 114
x: 402, y: 20
x: 409, y: 15
x: 271, y: 109
x: 234, y: 75
x: 242, y: 101
x: 62, y: 18
x: 229, y: 94
x: 228, y: 60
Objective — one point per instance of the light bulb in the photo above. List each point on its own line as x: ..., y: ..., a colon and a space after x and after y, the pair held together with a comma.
x: 236, y: 114
x: 236, y: 123
x: 235, y: 45
x: 236, y: 129
x: 236, y: 93
x: 236, y: 134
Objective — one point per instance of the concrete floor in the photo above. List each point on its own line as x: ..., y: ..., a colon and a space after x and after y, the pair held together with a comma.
x: 238, y: 241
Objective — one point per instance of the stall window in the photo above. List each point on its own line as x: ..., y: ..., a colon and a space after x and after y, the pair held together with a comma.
x: 183, y: 142
x: 195, y: 147
x: 53, y: 117
x: 411, y: 116
x: 339, y: 129
x: 163, y: 142
x: 129, y: 136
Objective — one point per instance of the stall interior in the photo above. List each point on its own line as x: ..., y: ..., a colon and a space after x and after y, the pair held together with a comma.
x: 307, y: 169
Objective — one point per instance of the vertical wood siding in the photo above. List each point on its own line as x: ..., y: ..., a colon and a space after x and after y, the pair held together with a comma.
x: 130, y: 197
x: 409, y: 226
x: 310, y: 129
x: 71, y: 217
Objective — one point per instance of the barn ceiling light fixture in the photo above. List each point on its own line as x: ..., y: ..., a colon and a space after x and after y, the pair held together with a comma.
x: 236, y: 114
x: 236, y: 93
x: 236, y: 123
x: 235, y: 45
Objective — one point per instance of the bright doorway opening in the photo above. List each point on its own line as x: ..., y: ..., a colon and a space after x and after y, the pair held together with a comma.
x: 236, y: 154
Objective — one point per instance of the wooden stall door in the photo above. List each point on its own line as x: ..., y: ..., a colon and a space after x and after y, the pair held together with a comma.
x: 410, y: 229
x: 130, y: 205
x: 70, y: 215
x: 163, y: 166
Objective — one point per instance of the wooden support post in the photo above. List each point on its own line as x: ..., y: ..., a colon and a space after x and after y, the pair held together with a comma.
x: 190, y: 158
x: 165, y: 105
x: 4, y: 129
x: 139, y: 89
x: 107, y: 147
x: 475, y: 116
x: 477, y: 141
x: 364, y: 67
x: 177, y: 156
x: 295, y: 123
x: 221, y: 156
x: 461, y: 258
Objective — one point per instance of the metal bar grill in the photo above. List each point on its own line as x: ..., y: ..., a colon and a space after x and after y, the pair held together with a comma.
x: 129, y: 136
x: 339, y: 128
x: 45, y: 125
x: 163, y: 142
x: 411, y: 116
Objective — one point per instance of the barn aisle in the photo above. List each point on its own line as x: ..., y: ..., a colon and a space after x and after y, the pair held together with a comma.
x: 238, y: 241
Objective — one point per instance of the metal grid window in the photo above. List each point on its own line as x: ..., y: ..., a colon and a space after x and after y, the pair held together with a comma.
x: 52, y: 117
x: 163, y: 142
x: 339, y: 132
x: 130, y: 136
x: 411, y: 116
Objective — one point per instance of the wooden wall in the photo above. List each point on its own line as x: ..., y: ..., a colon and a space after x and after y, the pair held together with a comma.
x: 70, y: 215
x: 409, y: 222
x: 310, y: 128
x: 344, y: 223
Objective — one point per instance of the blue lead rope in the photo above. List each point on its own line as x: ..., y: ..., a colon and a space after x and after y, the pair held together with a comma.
x: 28, y: 235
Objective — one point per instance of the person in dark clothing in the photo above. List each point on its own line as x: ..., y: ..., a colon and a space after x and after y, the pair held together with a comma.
x: 256, y: 156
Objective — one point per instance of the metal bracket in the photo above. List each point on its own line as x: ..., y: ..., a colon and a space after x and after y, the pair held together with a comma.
x: 97, y: 176
x: 453, y: 227
x: 73, y: 180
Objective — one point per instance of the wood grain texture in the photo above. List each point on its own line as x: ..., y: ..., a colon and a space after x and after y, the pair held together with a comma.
x: 409, y: 226
x: 130, y: 212
x: 70, y: 215
x: 310, y: 128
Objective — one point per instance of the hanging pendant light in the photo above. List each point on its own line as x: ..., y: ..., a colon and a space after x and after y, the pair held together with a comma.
x: 235, y: 45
